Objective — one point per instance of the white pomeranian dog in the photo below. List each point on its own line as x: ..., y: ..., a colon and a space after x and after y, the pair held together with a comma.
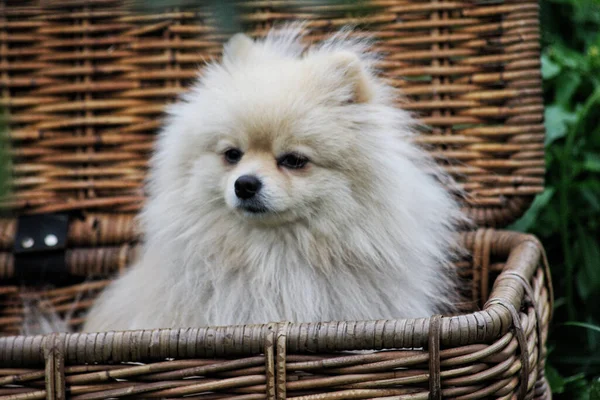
x: 285, y: 186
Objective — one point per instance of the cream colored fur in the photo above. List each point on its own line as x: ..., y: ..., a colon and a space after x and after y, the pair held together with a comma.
x: 364, y: 231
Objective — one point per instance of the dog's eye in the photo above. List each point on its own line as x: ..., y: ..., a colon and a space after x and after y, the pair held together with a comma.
x: 233, y: 156
x: 292, y: 161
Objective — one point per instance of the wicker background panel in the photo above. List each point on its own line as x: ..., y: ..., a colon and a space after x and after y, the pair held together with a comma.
x: 84, y: 84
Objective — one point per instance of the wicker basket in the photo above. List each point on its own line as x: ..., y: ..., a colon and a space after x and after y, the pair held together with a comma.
x: 84, y: 83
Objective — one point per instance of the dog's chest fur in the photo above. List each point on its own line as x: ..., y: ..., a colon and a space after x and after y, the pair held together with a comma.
x: 294, y: 275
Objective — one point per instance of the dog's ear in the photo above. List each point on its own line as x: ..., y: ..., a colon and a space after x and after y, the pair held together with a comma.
x: 355, y: 74
x: 238, y: 47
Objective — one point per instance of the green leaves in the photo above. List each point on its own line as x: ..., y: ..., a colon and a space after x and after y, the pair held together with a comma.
x: 550, y: 69
x: 595, y: 390
x: 592, y: 162
x: 567, y: 85
x: 566, y: 216
x: 557, y: 120
x: 530, y: 218
x: 583, y: 325
x: 557, y: 382
x: 588, y: 276
x: 573, y: 387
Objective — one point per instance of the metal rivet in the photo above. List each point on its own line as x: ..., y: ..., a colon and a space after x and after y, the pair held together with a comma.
x: 27, y: 243
x: 51, y: 240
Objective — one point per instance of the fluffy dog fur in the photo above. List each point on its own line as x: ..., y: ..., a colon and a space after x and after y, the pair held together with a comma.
x: 362, y: 231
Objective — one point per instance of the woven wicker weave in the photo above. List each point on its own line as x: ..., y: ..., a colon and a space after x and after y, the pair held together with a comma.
x: 84, y: 83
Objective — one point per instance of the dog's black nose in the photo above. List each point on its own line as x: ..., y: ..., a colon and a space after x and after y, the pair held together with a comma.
x: 247, y: 186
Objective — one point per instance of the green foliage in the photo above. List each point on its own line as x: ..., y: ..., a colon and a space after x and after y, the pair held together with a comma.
x: 566, y: 216
x: 595, y: 390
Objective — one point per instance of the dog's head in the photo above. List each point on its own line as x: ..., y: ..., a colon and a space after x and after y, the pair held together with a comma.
x: 272, y: 134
